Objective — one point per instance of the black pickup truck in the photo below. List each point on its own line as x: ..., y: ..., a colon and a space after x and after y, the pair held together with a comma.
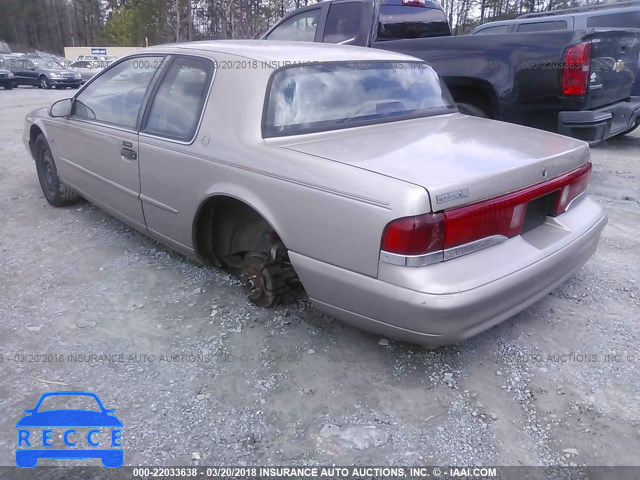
x: 575, y: 82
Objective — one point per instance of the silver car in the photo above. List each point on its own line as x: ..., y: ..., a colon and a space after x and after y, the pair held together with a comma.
x: 339, y: 173
x: 87, y: 69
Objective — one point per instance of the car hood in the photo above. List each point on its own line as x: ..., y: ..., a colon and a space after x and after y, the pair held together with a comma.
x: 69, y: 418
x: 459, y: 159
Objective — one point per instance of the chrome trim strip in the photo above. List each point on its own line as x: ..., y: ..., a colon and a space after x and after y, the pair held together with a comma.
x: 442, y: 255
x: 471, y: 247
x: 411, y: 260
x: 575, y: 200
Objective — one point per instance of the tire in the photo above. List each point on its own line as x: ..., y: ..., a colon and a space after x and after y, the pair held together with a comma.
x: 631, y: 129
x: 75, y: 87
x: 44, y: 83
x: 56, y: 192
x: 8, y: 87
x: 468, y: 109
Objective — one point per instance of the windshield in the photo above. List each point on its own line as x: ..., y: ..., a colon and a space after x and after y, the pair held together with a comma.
x: 317, y: 97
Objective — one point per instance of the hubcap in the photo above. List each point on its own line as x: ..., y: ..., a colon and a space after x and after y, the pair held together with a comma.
x: 49, y: 177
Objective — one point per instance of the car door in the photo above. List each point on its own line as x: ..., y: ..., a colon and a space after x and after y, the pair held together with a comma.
x: 24, y: 70
x: 305, y: 26
x: 96, y: 148
x: 170, y: 156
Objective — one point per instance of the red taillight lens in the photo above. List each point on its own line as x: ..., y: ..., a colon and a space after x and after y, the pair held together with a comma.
x: 414, y: 3
x: 571, y: 191
x: 414, y: 235
x: 504, y: 216
x: 575, y: 71
x: 501, y: 216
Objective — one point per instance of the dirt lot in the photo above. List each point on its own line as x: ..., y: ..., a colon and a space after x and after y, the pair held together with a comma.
x: 204, y: 378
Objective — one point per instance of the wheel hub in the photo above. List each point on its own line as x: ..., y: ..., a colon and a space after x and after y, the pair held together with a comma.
x: 253, y: 282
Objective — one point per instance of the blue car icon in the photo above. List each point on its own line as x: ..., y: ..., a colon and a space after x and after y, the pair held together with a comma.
x: 69, y: 420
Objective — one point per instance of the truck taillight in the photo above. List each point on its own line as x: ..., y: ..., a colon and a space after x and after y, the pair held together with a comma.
x: 414, y: 3
x: 575, y: 69
x: 465, y: 229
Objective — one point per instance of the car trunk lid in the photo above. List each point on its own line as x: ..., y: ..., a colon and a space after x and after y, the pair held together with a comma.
x: 458, y: 159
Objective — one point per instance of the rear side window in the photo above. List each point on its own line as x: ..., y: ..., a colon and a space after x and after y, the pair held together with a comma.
x: 398, y: 21
x: 543, y: 26
x: 343, y: 23
x: 496, y: 29
x: 619, y: 20
x: 299, y: 28
x: 179, y: 101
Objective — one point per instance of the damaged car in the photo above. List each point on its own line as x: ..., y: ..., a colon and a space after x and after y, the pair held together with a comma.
x: 339, y: 174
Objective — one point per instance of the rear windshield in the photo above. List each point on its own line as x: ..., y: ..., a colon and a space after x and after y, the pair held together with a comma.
x: 398, y: 22
x: 318, y: 97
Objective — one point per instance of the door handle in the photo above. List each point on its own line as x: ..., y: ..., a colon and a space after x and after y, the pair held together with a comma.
x: 128, y: 154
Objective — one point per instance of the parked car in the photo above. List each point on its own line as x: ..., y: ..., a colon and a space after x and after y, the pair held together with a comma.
x: 344, y: 171
x: 86, y: 69
x: 44, y: 73
x: 7, y: 78
x: 553, y: 80
x: 610, y: 15
x: 96, y: 58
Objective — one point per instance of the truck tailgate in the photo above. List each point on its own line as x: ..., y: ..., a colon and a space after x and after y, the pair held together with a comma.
x: 614, y: 57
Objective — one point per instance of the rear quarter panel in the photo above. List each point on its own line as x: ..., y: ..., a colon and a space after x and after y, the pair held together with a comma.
x: 329, y: 211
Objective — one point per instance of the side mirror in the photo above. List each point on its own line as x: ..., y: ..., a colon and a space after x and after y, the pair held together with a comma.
x: 61, y: 108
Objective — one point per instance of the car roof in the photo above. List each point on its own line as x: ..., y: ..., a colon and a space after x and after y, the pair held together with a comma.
x: 279, y: 51
x: 497, y: 23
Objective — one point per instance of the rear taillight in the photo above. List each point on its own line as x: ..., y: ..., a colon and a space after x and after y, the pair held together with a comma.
x: 463, y: 230
x: 573, y: 190
x: 575, y: 69
x: 414, y: 3
x: 414, y: 235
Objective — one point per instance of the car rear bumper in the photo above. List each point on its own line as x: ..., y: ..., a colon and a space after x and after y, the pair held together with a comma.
x: 595, y: 126
x: 420, y: 316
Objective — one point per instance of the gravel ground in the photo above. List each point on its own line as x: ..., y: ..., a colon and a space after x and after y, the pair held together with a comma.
x: 204, y: 378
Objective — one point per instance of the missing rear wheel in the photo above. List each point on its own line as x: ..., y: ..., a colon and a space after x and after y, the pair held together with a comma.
x: 270, y: 281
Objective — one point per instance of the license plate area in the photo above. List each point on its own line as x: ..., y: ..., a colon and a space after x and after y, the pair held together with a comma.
x: 538, y: 210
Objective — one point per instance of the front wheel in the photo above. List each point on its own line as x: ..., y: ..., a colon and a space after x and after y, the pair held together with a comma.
x: 44, y: 83
x: 8, y: 86
x: 56, y: 192
x: 631, y: 129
